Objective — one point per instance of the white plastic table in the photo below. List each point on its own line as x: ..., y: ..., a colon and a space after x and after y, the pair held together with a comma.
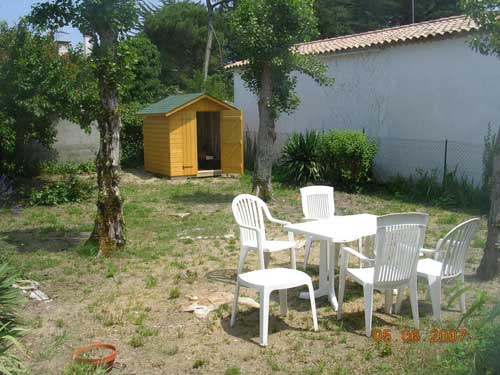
x: 336, y: 230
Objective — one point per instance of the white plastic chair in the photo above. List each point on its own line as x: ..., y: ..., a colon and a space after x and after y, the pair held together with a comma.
x: 265, y: 282
x: 249, y: 211
x: 398, y: 241
x: 317, y: 204
x: 449, y: 262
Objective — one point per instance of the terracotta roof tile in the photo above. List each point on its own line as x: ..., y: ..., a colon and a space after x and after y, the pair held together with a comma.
x: 399, y: 34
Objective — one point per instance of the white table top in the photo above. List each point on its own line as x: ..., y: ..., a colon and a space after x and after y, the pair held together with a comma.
x: 338, y: 229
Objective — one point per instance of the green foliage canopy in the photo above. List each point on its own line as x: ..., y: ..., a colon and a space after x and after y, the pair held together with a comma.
x: 342, y: 17
x: 143, y: 85
x: 486, y: 14
x: 265, y: 32
x: 36, y: 86
x: 179, y: 30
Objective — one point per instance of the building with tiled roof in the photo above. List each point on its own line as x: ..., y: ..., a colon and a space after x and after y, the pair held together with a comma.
x: 419, y: 89
x: 440, y: 28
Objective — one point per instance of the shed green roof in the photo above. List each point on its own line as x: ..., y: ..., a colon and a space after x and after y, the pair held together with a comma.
x: 169, y: 104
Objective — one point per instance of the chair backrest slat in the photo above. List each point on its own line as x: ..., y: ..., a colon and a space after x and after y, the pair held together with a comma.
x: 317, y: 202
x: 452, y: 250
x: 397, y: 245
x: 248, y: 210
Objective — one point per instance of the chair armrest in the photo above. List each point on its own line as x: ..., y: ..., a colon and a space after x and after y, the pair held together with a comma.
x: 350, y: 251
x: 424, y: 251
x: 277, y: 221
x: 272, y: 219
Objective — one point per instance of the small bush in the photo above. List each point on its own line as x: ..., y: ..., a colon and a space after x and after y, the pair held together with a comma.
x: 131, y: 137
x: 72, y: 189
x: 136, y: 341
x: 300, y: 161
x: 233, y: 370
x: 85, y: 369
x: 428, y: 187
x: 199, y: 362
x: 174, y: 293
x: 9, y: 330
x: 6, y: 190
x: 478, y: 352
x: 347, y: 157
x: 67, y: 168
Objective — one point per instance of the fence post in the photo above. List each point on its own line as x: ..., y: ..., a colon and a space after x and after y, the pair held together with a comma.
x: 445, y: 161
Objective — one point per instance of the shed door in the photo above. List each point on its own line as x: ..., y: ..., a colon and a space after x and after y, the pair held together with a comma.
x: 189, y: 144
x: 231, y: 134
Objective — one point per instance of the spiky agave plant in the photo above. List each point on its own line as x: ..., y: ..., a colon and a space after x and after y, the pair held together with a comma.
x: 9, y: 329
x: 300, y: 158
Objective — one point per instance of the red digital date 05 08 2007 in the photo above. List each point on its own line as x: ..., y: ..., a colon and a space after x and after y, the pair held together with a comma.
x: 413, y: 335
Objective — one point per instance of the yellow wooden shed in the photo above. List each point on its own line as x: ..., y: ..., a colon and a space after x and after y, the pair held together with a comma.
x: 193, y: 135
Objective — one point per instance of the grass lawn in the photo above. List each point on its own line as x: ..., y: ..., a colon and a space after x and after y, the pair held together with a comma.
x: 135, y: 299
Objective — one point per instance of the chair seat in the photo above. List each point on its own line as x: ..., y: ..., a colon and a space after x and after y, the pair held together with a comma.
x: 429, y: 267
x: 274, y: 278
x: 363, y: 275
x: 271, y: 246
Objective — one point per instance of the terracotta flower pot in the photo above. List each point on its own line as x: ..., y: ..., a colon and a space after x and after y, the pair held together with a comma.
x: 106, y: 361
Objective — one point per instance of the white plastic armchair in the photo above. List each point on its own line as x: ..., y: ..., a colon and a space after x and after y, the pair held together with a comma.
x: 317, y: 204
x: 449, y: 262
x: 249, y: 212
x: 397, y: 243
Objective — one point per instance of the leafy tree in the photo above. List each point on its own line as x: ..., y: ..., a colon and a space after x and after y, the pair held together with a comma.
x: 35, y: 87
x: 106, y: 22
x: 179, y: 31
x: 212, y: 7
x: 185, y: 33
x: 342, y: 17
x: 487, y: 41
x: 219, y: 85
x: 265, y: 32
x: 144, y: 86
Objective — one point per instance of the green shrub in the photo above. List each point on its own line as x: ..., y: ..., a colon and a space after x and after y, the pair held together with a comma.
x: 72, y: 189
x: 6, y: 190
x: 428, y: 187
x: 300, y: 161
x: 347, y: 157
x: 9, y: 330
x: 131, y: 137
x: 478, y: 352
x: 219, y: 85
x: 75, y: 368
x: 67, y: 168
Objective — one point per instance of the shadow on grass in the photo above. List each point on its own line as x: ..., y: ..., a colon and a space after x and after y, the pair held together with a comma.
x: 246, y: 326
x: 43, y: 239
x: 203, y: 197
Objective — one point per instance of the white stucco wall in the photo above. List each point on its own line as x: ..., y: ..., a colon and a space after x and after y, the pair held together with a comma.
x: 72, y: 144
x: 411, y: 97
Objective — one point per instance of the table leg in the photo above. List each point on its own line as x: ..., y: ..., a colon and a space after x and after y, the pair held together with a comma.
x: 332, y: 297
x: 323, y: 289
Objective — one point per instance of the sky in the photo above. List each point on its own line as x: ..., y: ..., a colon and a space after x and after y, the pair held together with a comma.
x: 12, y: 10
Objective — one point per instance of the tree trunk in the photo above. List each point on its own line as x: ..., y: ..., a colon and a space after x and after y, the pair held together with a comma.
x: 208, y: 48
x: 488, y: 268
x: 265, y: 139
x: 109, y: 226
